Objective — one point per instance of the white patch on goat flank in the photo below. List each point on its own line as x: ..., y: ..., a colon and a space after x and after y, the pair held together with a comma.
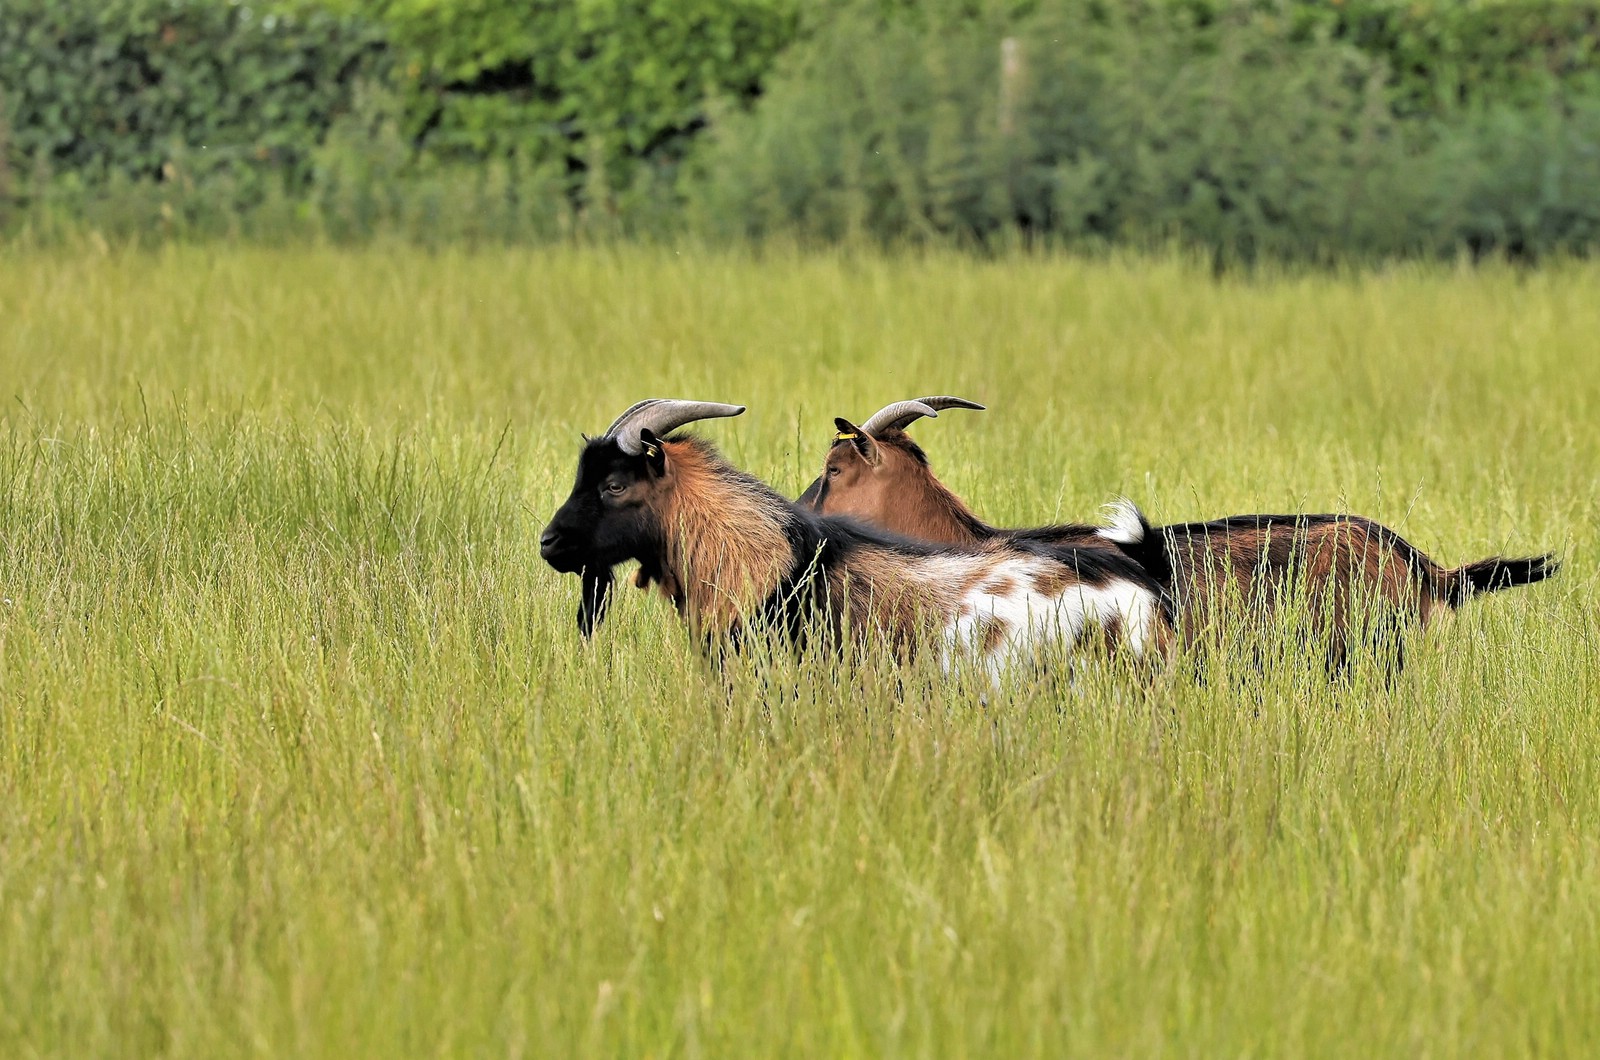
x: 956, y: 568
x: 1127, y: 523
x: 1032, y: 619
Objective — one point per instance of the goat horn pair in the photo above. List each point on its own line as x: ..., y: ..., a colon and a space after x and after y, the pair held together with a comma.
x: 660, y: 415
x: 903, y: 413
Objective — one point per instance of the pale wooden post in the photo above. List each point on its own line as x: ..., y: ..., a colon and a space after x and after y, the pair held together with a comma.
x: 1010, y: 82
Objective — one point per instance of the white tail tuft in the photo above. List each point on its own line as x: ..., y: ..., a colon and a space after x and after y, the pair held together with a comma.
x: 1127, y: 522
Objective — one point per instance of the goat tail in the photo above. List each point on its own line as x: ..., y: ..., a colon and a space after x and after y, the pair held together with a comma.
x: 1131, y: 532
x: 1460, y: 584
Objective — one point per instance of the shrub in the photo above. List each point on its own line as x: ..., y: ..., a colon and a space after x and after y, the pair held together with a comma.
x: 1111, y: 130
x: 1518, y: 181
x: 103, y: 87
x: 367, y: 182
x: 606, y: 84
x: 604, y: 95
x: 1289, y: 129
x: 5, y: 167
x: 873, y: 126
x: 1240, y: 131
x: 1444, y: 54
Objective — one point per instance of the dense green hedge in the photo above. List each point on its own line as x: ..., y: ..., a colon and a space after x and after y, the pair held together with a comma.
x: 99, y: 88
x: 601, y: 83
x: 1279, y: 128
x: 1441, y: 54
x: 1235, y: 129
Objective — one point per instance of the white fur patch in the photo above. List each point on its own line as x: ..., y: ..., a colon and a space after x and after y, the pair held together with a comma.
x: 1127, y: 523
x: 1030, y: 619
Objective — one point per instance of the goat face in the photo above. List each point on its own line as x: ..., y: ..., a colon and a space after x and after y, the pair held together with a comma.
x: 610, y: 517
x: 875, y: 481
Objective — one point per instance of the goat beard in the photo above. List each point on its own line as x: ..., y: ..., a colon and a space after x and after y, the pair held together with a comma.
x: 594, y: 599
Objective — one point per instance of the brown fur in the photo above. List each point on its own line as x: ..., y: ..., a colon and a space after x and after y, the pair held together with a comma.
x: 725, y: 550
x: 1337, y: 572
x: 1000, y: 585
x: 1052, y: 582
x: 725, y: 553
x: 1340, y: 570
x: 992, y: 634
x: 888, y: 601
x: 886, y: 484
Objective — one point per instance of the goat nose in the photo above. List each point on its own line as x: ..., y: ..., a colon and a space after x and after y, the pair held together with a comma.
x: 548, y: 540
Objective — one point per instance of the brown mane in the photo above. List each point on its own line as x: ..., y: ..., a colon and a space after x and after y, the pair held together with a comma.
x: 725, y: 550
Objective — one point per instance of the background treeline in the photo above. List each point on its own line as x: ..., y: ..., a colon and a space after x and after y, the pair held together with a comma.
x: 1286, y: 129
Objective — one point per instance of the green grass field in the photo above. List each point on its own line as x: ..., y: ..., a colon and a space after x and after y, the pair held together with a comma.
x: 301, y: 754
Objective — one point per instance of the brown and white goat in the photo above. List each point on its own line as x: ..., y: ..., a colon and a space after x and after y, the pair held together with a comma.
x: 1347, y: 572
x: 735, y: 556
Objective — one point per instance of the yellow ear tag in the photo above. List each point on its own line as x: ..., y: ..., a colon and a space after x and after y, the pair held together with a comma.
x: 651, y: 451
x: 845, y: 436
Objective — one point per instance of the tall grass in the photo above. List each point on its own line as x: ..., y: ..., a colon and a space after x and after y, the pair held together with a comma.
x: 301, y: 754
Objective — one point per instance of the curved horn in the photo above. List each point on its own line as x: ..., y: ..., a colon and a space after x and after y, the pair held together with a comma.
x: 903, y: 413
x: 661, y: 415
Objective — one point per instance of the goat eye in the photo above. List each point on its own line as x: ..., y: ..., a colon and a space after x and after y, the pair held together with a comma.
x: 832, y: 471
x: 613, y: 488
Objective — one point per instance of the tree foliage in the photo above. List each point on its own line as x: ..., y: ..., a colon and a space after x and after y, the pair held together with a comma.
x: 1277, y: 128
x: 103, y: 87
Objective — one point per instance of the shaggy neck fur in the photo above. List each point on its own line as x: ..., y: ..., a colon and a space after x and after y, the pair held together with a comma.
x: 945, y: 517
x: 935, y: 514
x: 724, y: 547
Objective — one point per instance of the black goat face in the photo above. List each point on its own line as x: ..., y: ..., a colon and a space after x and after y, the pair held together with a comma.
x: 608, y: 519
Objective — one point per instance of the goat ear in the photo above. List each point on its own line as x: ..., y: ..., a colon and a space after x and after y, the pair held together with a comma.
x: 860, y: 439
x: 655, y: 454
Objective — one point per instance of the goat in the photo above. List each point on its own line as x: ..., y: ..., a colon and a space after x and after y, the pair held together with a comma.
x: 735, y: 556
x: 1344, y: 568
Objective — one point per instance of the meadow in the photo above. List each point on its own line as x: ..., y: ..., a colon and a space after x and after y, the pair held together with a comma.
x: 301, y: 753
